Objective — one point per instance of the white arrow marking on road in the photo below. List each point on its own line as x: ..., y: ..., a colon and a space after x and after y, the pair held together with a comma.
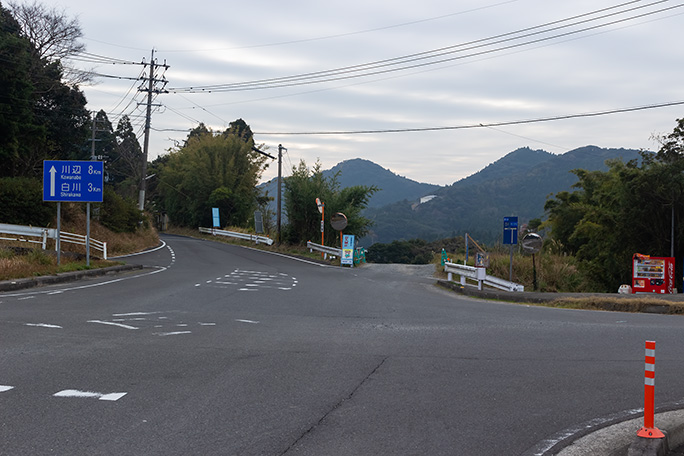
x: 52, y: 180
x: 90, y: 394
x: 4, y: 388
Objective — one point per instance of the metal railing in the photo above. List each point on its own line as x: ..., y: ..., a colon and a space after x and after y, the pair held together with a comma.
x: 249, y: 237
x: 80, y: 239
x: 322, y: 248
x: 480, y: 276
x: 24, y: 232
x: 48, y: 233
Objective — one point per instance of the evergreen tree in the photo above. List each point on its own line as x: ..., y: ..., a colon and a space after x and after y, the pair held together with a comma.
x: 304, y: 221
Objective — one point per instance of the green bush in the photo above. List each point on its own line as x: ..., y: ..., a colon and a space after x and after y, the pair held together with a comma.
x: 119, y: 214
x: 21, y: 202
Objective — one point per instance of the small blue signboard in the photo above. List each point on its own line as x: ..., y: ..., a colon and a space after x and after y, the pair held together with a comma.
x: 215, y: 217
x: 71, y: 180
x: 348, y: 249
x: 510, y: 230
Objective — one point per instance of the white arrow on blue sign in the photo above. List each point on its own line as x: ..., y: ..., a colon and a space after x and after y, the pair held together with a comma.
x: 72, y: 180
x: 510, y: 230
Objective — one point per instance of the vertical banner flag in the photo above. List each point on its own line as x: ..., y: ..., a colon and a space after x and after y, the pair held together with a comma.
x: 348, y: 249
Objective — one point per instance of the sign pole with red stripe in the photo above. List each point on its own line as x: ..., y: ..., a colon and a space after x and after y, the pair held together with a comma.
x: 649, y: 430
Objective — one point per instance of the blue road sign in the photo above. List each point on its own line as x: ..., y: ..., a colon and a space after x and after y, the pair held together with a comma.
x: 71, y: 180
x: 215, y: 217
x: 510, y: 230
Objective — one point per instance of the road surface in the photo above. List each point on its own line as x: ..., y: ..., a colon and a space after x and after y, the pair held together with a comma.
x: 215, y: 349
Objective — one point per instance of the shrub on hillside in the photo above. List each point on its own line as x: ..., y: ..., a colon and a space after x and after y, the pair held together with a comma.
x: 21, y: 202
x: 119, y: 214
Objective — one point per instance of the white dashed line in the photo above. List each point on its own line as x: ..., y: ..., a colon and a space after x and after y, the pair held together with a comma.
x: 175, y: 333
x: 43, y: 325
x: 111, y: 323
x: 90, y: 394
x: 4, y: 388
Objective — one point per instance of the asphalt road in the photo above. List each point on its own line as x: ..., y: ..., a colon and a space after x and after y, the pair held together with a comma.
x: 214, y: 349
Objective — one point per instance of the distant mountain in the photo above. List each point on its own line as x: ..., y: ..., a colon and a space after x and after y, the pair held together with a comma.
x: 357, y: 171
x: 516, y: 185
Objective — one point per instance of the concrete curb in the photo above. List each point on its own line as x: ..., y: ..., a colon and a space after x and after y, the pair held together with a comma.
x: 21, y: 284
x: 620, y: 439
x: 662, y: 307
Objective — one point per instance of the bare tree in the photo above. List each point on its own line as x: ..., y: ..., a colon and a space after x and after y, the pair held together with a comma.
x: 53, y: 34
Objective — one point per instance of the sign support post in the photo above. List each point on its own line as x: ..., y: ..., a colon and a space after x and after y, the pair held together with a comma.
x: 510, y: 237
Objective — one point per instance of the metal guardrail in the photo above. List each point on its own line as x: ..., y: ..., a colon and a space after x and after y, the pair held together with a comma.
x: 480, y: 276
x: 322, y: 248
x: 48, y: 233
x: 80, y: 239
x: 249, y: 237
x: 27, y: 232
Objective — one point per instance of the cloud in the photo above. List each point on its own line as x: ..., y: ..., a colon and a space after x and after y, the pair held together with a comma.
x: 627, y: 64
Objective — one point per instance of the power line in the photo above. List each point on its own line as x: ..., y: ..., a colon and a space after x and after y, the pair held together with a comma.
x: 342, y: 35
x: 443, y: 55
x: 480, y: 125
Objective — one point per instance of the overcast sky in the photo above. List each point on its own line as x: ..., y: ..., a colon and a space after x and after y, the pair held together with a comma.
x: 589, y: 67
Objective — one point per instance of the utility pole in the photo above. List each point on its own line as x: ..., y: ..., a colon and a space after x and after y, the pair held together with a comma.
x: 150, y: 89
x: 280, y: 174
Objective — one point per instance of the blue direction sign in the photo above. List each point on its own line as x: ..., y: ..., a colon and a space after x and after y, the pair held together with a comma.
x: 510, y: 230
x: 70, y: 180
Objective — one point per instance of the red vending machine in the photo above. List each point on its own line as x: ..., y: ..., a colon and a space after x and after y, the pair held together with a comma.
x: 653, y: 274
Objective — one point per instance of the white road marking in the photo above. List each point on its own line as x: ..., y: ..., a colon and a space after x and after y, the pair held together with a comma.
x: 90, y: 394
x: 145, y: 251
x: 43, y: 325
x: 26, y: 297
x: 4, y: 388
x: 112, y: 324
x: 34, y: 293
x: 207, y: 324
x: 248, y: 321
x: 56, y: 292
x: 175, y: 333
x: 134, y: 314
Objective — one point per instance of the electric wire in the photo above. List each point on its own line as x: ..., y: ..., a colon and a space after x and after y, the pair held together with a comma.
x: 443, y: 55
x: 481, y: 125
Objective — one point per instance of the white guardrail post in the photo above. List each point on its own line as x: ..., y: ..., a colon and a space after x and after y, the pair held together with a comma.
x: 249, y: 237
x: 480, y: 276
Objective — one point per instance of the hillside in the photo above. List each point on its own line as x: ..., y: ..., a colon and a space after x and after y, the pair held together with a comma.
x: 517, y: 184
x: 393, y: 188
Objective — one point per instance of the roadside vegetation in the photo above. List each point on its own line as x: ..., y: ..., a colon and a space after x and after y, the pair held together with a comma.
x: 21, y: 259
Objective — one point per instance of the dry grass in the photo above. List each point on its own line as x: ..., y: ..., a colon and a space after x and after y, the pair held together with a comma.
x: 555, y: 273
x: 21, y: 259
